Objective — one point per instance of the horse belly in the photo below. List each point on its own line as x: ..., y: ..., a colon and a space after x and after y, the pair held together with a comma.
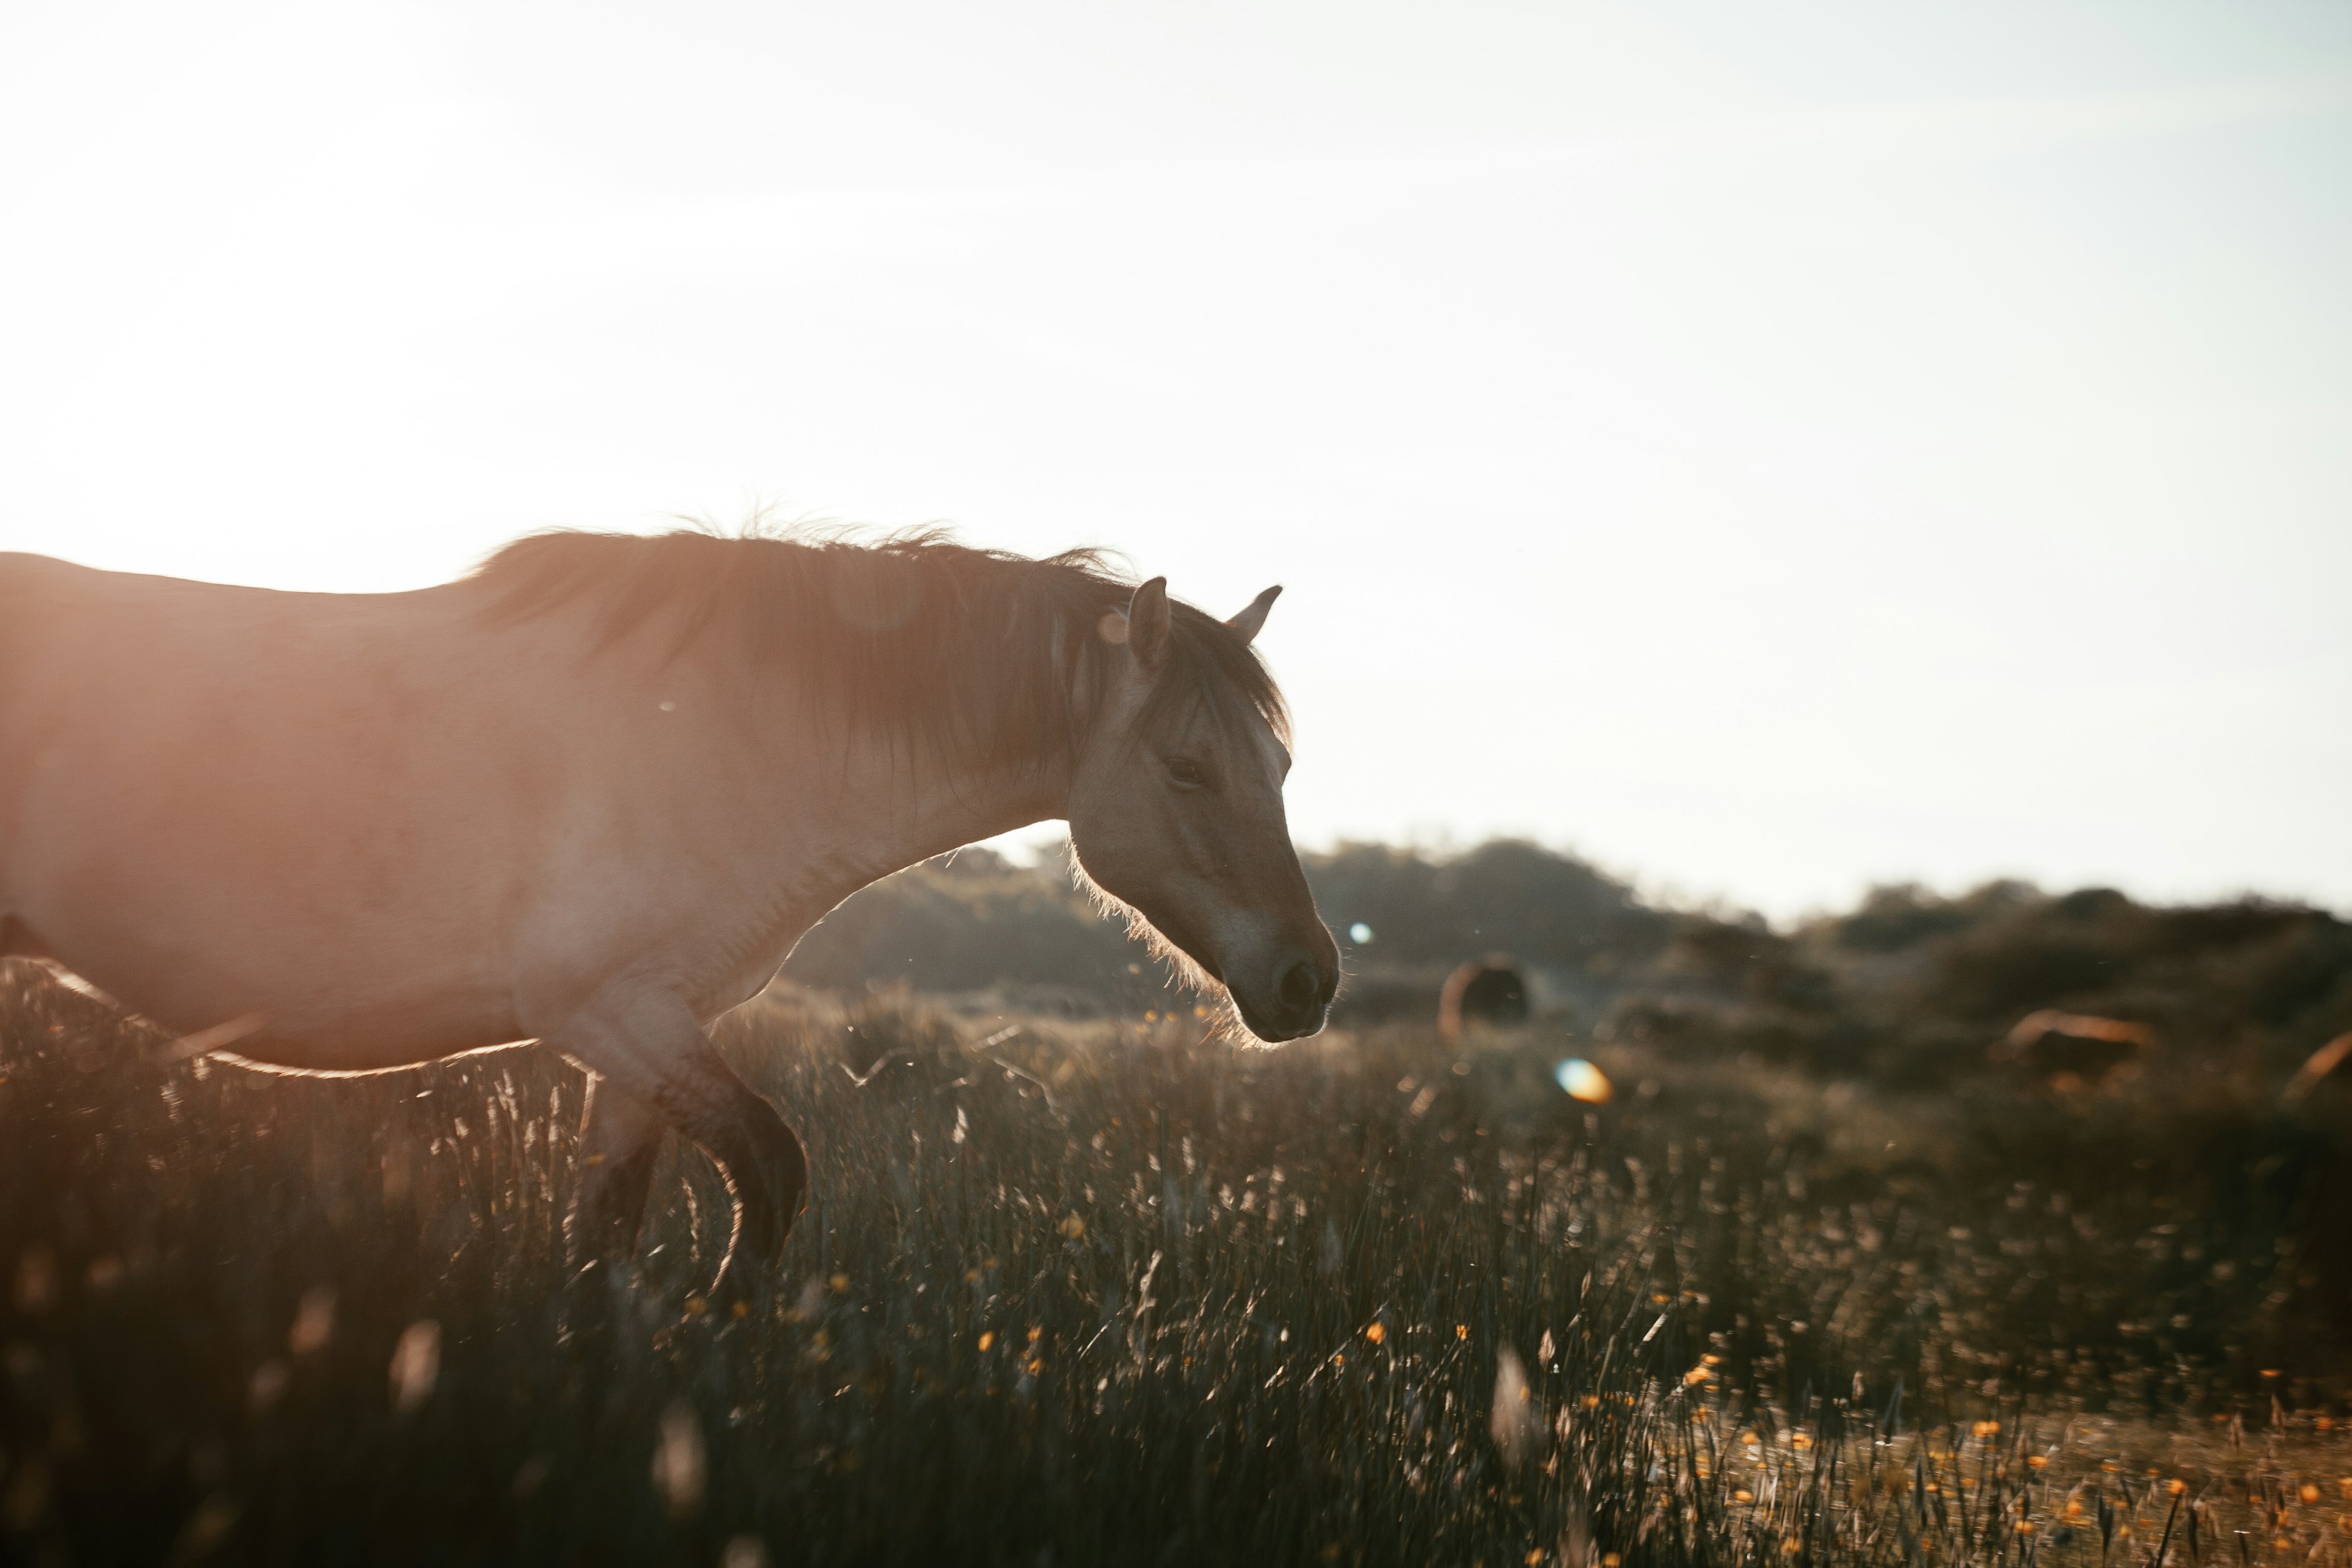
x: 381, y: 1040
x: 340, y: 995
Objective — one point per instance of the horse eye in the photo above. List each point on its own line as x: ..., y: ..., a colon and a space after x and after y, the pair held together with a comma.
x: 1186, y: 772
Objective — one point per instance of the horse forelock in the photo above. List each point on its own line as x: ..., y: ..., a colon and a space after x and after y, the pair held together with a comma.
x: 981, y: 655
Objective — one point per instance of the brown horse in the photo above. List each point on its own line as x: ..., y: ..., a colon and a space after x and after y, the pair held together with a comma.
x: 592, y: 795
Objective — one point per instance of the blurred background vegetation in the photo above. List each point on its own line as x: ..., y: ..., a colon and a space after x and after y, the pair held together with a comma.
x: 1911, y: 987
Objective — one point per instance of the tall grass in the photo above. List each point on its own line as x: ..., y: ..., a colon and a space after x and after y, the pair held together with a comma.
x: 1106, y: 1293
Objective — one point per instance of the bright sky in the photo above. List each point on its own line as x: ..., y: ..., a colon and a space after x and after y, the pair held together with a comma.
x: 1768, y: 450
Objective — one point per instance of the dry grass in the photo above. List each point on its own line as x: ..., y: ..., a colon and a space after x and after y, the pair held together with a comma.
x: 1096, y: 1293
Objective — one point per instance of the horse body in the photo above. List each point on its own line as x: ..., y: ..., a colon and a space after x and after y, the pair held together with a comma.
x: 348, y: 833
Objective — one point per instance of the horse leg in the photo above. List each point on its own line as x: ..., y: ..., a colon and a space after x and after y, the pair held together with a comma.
x: 649, y: 1045
x: 620, y: 1136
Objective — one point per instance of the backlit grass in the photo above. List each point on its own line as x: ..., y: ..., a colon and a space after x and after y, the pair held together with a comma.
x: 1080, y: 1293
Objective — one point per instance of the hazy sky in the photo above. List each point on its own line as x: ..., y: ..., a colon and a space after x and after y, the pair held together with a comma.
x: 1769, y: 449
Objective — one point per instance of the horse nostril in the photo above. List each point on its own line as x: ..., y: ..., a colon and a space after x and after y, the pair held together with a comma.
x: 1301, y: 986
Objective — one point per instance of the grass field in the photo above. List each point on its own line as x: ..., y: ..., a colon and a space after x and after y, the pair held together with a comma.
x: 1103, y: 1292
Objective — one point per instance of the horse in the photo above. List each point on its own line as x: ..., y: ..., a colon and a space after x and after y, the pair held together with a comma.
x: 592, y: 794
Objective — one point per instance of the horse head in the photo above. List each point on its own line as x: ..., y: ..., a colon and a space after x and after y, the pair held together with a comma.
x: 1176, y: 813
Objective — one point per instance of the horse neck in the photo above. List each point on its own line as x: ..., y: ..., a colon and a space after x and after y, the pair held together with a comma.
x: 864, y: 802
x: 887, y: 809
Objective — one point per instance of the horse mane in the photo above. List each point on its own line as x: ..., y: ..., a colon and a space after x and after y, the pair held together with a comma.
x: 978, y: 654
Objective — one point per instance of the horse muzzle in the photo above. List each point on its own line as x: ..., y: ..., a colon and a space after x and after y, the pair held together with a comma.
x: 1295, y: 999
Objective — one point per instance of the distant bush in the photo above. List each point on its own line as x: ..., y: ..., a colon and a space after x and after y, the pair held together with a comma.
x: 2250, y: 975
x: 1508, y: 895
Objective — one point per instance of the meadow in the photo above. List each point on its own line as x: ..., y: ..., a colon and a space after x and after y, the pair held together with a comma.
x: 1106, y: 1288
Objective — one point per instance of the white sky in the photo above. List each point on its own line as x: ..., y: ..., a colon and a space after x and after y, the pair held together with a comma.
x: 1766, y: 448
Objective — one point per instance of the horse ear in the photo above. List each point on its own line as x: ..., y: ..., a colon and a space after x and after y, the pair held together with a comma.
x: 1147, y: 625
x: 1248, y: 622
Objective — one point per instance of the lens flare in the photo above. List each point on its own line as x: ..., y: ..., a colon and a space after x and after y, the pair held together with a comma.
x: 1583, y: 1080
